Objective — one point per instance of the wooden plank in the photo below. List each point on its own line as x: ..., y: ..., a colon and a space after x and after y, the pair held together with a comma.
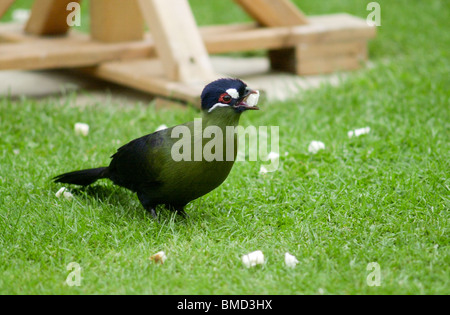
x: 274, y: 12
x: 47, y: 54
x: 49, y: 17
x: 322, y: 58
x: 248, y: 36
x: 11, y: 32
x: 288, y: 59
x: 148, y: 75
x: 348, y: 48
x: 116, y: 20
x: 4, y: 6
x: 328, y: 65
x: 178, y: 42
x: 341, y: 47
x: 14, y: 33
x: 214, y: 30
x: 78, y: 50
x: 342, y: 28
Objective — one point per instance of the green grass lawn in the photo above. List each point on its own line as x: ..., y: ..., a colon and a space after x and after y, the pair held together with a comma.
x: 383, y: 197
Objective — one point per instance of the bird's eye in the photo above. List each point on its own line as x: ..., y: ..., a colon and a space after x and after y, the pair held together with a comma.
x: 225, y: 98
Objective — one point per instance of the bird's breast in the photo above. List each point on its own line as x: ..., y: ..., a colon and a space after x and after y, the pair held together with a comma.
x: 187, y: 179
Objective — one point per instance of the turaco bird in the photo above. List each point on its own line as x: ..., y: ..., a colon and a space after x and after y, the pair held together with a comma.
x: 147, y: 165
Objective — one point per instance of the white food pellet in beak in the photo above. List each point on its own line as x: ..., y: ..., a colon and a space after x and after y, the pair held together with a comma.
x: 252, y: 99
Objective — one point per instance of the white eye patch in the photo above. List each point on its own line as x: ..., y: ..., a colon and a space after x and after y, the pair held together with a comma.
x: 233, y: 93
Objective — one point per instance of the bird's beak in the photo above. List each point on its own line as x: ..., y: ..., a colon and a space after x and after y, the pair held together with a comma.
x: 242, y: 104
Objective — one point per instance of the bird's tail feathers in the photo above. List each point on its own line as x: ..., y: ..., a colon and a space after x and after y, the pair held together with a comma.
x: 83, y: 177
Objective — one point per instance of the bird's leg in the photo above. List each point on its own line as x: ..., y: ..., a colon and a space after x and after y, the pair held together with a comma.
x: 152, y: 212
x: 178, y: 209
x: 147, y: 204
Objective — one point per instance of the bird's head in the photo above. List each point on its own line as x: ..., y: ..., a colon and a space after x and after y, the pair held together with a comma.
x: 227, y: 96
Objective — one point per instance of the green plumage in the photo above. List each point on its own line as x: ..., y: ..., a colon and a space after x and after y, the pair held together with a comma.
x: 147, y: 166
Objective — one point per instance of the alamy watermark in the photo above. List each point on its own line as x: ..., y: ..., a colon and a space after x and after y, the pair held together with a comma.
x: 74, y: 278
x: 74, y: 17
x: 374, y: 17
x: 374, y: 277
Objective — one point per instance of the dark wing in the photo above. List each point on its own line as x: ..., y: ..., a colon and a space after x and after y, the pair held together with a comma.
x: 135, y: 165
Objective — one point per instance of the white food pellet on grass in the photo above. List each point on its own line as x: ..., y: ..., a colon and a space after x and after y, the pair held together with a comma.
x: 254, y: 258
x: 64, y: 192
x: 315, y: 146
x: 263, y: 170
x: 358, y: 132
x: 68, y: 195
x: 81, y: 129
x: 290, y: 260
x: 60, y: 192
x: 159, y: 257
